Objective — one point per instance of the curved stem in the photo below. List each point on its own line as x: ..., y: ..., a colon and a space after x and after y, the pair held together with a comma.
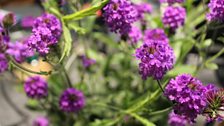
x: 28, y: 70
x: 160, y: 111
x: 160, y: 85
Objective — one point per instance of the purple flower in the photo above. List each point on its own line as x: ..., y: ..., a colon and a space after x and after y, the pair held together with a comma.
x: 177, y: 120
x: 8, y: 20
x: 4, y: 39
x: 41, y: 121
x: 134, y: 35
x: 174, y: 17
x: 188, y: 94
x: 87, y: 62
x: 171, y: 1
x: 28, y: 22
x: 155, y: 34
x: 215, y: 104
x: 119, y: 15
x: 46, y: 32
x: 72, y: 100
x: 19, y: 51
x: 156, y: 58
x: 143, y: 8
x: 216, y: 10
x: 36, y: 87
x: 3, y: 63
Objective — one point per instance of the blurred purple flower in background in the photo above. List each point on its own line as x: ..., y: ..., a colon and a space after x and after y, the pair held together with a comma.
x: 72, y: 100
x: 36, y: 87
x: 87, y: 62
x: 143, y: 8
x: 46, y: 32
x: 3, y: 63
x: 216, y: 12
x: 174, y: 17
x: 188, y: 94
x: 28, y: 22
x: 119, y: 15
x: 177, y: 120
x: 171, y: 1
x: 134, y: 35
x: 19, y: 51
x: 156, y: 34
x: 156, y: 58
x: 41, y: 121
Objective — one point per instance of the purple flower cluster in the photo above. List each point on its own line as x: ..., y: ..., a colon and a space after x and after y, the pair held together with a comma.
x: 28, y: 22
x: 174, y: 17
x: 216, y: 10
x: 119, y: 15
x: 156, y: 34
x: 134, y: 35
x: 46, y: 32
x: 177, y: 120
x: 36, y: 87
x: 188, y: 94
x: 142, y: 9
x: 87, y: 62
x: 171, y: 1
x: 72, y: 100
x: 3, y: 63
x: 41, y: 121
x: 156, y: 58
x: 19, y: 51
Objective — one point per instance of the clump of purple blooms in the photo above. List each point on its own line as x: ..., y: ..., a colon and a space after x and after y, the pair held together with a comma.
x: 156, y: 34
x: 36, y: 87
x: 119, y: 16
x: 188, y: 94
x: 156, y: 58
x: 177, y: 120
x: 19, y: 51
x: 41, y: 121
x: 3, y: 63
x: 216, y: 12
x: 87, y: 62
x: 143, y: 8
x: 134, y: 35
x: 46, y: 32
x: 72, y: 100
x: 174, y: 17
x: 171, y: 1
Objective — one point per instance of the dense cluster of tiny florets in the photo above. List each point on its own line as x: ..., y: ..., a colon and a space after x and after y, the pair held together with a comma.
x: 3, y: 63
x: 188, y: 94
x: 156, y: 58
x: 216, y: 12
x: 143, y: 8
x: 36, y: 87
x: 177, y: 120
x: 155, y: 34
x: 134, y: 35
x: 119, y: 15
x: 71, y: 100
x: 46, y: 32
x: 174, y: 17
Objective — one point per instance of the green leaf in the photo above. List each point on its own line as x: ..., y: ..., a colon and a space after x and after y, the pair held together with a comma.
x: 105, y: 122
x: 67, y: 43
x: 86, y: 12
x: 211, y: 66
x: 78, y: 29
x: 142, y: 120
x: 181, y: 69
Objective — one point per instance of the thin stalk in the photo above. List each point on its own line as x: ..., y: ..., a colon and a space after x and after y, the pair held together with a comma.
x: 160, y: 111
x: 66, y: 76
x: 160, y: 85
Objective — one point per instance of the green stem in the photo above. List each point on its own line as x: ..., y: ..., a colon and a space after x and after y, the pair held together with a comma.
x: 160, y: 111
x: 160, y: 85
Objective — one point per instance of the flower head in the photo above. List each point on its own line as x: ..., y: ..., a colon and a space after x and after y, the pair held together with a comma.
x: 71, y: 100
x: 4, y: 39
x: 3, y: 63
x: 174, y: 17
x: 216, y: 12
x: 19, y: 51
x: 188, y: 94
x: 215, y: 104
x: 41, y: 121
x: 155, y: 34
x: 177, y: 120
x: 143, y: 8
x: 28, y: 22
x: 119, y: 15
x: 46, y: 32
x: 36, y: 87
x: 156, y: 58
x: 134, y: 35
